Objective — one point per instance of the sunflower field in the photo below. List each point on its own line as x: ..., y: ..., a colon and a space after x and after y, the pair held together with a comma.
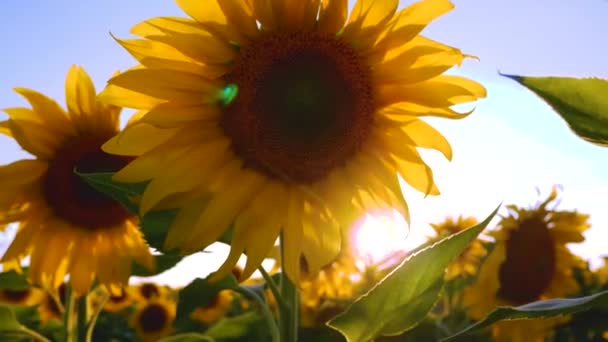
x: 272, y: 127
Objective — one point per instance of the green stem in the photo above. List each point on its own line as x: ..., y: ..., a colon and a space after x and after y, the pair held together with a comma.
x: 272, y: 325
x: 273, y: 288
x: 93, y: 321
x: 289, y: 318
x: 24, y: 331
x: 67, y: 314
x: 82, y: 319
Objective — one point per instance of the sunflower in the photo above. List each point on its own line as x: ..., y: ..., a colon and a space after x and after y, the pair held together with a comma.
x: 215, y: 309
x: 147, y: 291
x: 467, y: 263
x: 529, y: 262
x: 53, y: 304
x: 152, y: 320
x: 118, y: 301
x: 25, y: 297
x: 285, y: 117
x: 65, y: 226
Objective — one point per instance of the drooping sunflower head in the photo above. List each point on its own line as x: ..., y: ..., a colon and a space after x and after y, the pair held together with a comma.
x: 25, y: 297
x: 530, y: 260
x: 152, y: 320
x: 215, y: 309
x: 468, y: 262
x: 66, y: 226
x: 284, y: 116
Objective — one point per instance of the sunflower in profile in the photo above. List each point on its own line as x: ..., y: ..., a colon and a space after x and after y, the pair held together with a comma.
x: 147, y: 291
x: 468, y: 262
x: 284, y: 117
x: 118, y: 301
x: 153, y: 320
x: 529, y: 262
x: 24, y: 297
x: 215, y: 309
x: 65, y: 226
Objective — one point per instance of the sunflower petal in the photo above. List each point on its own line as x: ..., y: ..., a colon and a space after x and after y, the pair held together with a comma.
x: 332, y: 16
x: 137, y: 139
x: 203, y: 11
x: 80, y: 92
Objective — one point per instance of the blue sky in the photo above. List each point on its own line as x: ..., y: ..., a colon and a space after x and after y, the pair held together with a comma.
x: 510, y: 145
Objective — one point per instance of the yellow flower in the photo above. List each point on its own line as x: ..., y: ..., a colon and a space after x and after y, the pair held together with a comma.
x: 529, y: 262
x: 467, y: 263
x: 152, y: 320
x: 25, y: 297
x: 65, y: 226
x: 215, y: 309
x: 284, y: 116
x: 118, y: 301
x: 148, y: 291
x: 52, y: 306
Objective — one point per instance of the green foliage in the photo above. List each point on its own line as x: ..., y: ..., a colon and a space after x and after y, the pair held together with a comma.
x: 8, y: 320
x: 536, y: 310
x: 163, y: 262
x: 234, y: 327
x: 583, y: 103
x: 394, y: 305
x: 12, y: 280
x: 188, y: 337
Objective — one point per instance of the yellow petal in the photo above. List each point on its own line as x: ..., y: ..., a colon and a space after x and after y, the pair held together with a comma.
x: 137, y: 139
x: 240, y: 15
x: 166, y: 84
x: 80, y: 92
x: 410, y: 21
x: 123, y: 97
x: 405, y: 111
x: 332, y: 15
x: 35, y: 138
x: 22, y: 172
x: 414, y: 66
x: 425, y: 136
x: 171, y: 115
x: 186, y: 218
x: 22, y: 242
x: 48, y: 110
x: 367, y: 18
x: 203, y: 11
x: 5, y: 128
x: 441, y: 91
x: 415, y: 171
x: 292, y: 236
x: 321, y: 240
x: 157, y: 26
x: 224, y: 206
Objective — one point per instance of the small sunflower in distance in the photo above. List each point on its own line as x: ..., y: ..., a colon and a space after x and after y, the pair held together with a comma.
x: 530, y: 261
x: 468, y: 262
x: 215, y: 309
x: 153, y: 319
x: 65, y: 226
x: 284, y: 117
x: 25, y: 297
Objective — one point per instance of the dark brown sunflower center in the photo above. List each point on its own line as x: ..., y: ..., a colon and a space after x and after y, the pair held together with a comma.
x: 16, y: 296
x: 304, y: 105
x: 153, y: 318
x: 70, y: 197
x: 530, y: 263
x: 149, y: 290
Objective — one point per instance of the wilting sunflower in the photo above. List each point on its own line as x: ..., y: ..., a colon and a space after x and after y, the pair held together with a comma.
x: 467, y: 263
x: 215, y: 309
x: 152, y: 320
x: 285, y: 117
x: 65, y: 226
x: 529, y: 262
x: 26, y: 297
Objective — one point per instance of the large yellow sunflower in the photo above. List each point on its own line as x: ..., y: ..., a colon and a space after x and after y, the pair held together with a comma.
x: 467, y: 263
x: 284, y: 116
x: 65, y: 226
x: 529, y: 262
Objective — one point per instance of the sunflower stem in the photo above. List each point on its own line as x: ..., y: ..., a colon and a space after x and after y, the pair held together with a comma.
x: 82, y: 308
x: 273, y: 288
x: 93, y: 320
x: 24, y: 331
x: 67, y: 314
x: 288, y: 320
x: 268, y: 317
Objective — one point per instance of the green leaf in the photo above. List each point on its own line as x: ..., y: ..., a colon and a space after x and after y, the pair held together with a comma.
x: 233, y: 327
x: 200, y: 292
x: 163, y: 263
x: 12, y: 280
x: 394, y: 305
x: 188, y: 337
x: 8, y: 321
x: 121, y: 192
x: 583, y: 103
x: 541, y: 309
x: 155, y: 224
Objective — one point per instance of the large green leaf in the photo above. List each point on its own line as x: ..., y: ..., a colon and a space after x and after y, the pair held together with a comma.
x: 583, y: 103
x: 12, y: 280
x: 402, y: 298
x: 188, y: 337
x: 200, y: 292
x: 540, y: 309
x: 163, y: 263
x: 121, y: 192
x: 234, y: 327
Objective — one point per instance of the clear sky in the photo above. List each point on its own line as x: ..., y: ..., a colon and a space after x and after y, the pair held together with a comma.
x: 510, y: 145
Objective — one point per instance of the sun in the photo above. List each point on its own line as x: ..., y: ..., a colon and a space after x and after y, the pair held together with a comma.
x: 379, y: 234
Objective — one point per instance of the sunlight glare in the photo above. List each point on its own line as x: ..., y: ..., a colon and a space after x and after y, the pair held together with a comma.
x: 380, y: 234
